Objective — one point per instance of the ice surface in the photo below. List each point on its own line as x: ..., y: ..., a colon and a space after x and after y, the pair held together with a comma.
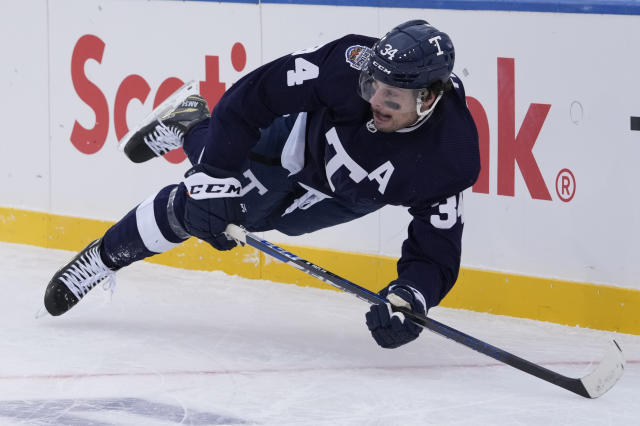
x: 198, y: 348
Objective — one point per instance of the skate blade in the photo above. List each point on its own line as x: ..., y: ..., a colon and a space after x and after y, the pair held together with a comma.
x: 42, y: 312
x: 168, y: 105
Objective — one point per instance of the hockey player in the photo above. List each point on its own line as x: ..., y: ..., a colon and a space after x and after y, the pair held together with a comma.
x: 310, y: 140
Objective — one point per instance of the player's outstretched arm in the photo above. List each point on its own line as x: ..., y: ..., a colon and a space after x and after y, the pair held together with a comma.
x: 431, y: 253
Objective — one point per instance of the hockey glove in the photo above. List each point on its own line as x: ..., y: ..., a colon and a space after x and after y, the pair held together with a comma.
x: 213, y: 202
x: 391, y: 329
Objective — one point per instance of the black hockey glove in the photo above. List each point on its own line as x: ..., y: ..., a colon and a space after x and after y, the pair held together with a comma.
x: 213, y: 202
x: 392, y: 329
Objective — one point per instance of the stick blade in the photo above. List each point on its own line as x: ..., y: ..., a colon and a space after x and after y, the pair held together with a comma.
x: 607, y: 374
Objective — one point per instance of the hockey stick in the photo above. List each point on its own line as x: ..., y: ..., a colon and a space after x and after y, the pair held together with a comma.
x: 594, y: 384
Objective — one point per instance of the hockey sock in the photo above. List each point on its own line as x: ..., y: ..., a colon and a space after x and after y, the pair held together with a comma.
x: 195, y: 141
x: 153, y: 227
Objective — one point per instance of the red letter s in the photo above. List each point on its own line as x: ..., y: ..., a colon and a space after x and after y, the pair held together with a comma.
x: 89, y: 141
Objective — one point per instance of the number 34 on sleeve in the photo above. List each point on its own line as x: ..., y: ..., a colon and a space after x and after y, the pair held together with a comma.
x: 304, y: 70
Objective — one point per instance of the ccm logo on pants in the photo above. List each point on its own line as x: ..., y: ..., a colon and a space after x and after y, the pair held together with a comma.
x: 201, y: 186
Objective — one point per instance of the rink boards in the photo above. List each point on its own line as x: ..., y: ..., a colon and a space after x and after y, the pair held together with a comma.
x: 551, y: 227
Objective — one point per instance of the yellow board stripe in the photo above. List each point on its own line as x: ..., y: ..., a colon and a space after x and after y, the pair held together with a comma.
x: 564, y: 302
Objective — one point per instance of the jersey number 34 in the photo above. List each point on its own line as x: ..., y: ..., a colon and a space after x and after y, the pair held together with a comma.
x: 304, y: 70
x: 448, y: 212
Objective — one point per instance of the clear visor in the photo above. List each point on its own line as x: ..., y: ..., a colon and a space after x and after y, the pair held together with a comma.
x: 379, y: 94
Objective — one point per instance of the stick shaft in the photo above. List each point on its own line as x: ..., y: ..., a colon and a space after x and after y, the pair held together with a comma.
x: 571, y: 384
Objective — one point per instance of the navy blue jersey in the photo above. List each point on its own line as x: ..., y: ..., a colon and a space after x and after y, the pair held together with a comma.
x: 423, y: 168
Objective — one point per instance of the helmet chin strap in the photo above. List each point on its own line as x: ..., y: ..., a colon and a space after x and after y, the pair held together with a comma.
x: 423, y: 115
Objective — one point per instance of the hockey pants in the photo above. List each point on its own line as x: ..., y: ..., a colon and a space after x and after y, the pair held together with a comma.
x: 274, y: 201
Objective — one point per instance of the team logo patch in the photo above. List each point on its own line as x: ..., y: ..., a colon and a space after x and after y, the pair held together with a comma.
x: 357, y: 56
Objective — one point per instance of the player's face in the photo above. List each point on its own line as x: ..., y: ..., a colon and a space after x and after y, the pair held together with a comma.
x: 393, y: 108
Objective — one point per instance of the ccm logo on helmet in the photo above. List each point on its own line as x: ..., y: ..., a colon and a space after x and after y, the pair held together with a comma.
x: 381, y: 68
x: 435, y: 41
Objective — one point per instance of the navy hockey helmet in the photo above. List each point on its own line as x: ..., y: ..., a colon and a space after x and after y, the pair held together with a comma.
x: 413, y: 55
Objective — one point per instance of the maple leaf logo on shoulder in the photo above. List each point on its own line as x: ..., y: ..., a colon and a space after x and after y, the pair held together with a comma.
x: 357, y: 56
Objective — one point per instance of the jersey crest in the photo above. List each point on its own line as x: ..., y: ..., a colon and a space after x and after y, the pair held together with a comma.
x: 357, y: 56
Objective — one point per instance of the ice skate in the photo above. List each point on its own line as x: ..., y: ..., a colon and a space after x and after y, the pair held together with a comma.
x: 164, y: 129
x: 74, y: 280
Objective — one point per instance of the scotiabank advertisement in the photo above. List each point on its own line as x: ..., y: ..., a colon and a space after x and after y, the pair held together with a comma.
x: 112, y: 63
x: 553, y: 97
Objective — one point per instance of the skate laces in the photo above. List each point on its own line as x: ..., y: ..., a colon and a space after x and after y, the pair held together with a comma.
x: 86, y: 272
x: 164, y: 138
